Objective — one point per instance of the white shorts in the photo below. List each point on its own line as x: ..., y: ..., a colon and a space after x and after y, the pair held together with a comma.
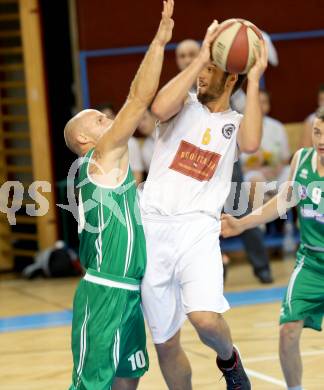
x: 184, y: 271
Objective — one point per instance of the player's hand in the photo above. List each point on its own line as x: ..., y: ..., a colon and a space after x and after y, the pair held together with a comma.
x: 205, y: 51
x: 230, y: 226
x: 164, y: 34
x: 261, y: 62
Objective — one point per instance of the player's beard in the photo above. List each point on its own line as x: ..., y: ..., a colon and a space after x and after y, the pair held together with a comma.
x: 214, y: 94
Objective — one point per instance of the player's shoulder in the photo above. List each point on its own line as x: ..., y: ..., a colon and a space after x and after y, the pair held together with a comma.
x: 232, y: 117
x: 305, y: 151
x: 235, y: 114
x: 301, y: 155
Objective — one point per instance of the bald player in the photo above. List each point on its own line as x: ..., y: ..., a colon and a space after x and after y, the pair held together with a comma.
x: 108, y: 333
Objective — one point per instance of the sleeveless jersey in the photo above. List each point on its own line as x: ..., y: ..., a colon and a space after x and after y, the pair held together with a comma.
x: 192, y: 164
x: 311, y: 202
x: 110, y: 229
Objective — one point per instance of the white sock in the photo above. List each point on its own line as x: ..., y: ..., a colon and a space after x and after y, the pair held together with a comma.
x: 295, y: 388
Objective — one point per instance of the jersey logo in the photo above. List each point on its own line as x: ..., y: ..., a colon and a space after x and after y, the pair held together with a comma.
x: 228, y: 130
x: 302, y: 192
x: 195, y: 162
x: 316, y: 195
x: 304, y: 173
x: 206, y: 137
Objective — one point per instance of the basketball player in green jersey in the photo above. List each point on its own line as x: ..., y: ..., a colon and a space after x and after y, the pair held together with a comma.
x: 303, y: 305
x: 108, y: 334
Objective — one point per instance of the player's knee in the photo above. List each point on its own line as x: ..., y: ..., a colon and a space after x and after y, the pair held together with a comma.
x: 168, y: 348
x: 206, y: 323
x: 125, y: 384
x: 289, y: 335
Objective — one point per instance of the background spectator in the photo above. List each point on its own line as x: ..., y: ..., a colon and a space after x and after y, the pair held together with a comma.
x: 271, y: 161
x: 306, y: 139
x: 186, y: 51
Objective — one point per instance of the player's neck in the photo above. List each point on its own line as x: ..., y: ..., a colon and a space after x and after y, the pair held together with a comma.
x: 219, y: 105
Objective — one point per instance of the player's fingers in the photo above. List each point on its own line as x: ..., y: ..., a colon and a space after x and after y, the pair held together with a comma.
x: 212, y: 28
x: 256, y: 55
x: 167, y: 8
x: 164, y: 9
x: 171, y: 7
x: 266, y: 53
x: 263, y: 51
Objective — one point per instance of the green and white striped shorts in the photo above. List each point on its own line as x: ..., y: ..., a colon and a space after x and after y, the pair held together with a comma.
x: 108, y: 332
x: 304, y: 299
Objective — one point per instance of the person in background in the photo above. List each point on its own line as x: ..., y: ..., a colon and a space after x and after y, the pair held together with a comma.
x: 135, y: 155
x: 271, y: 161
x: 306, y: 138
x: 186, y: 52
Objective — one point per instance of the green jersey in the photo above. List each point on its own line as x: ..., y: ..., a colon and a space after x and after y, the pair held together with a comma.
x: 110, y: 230
x: 311, y: 204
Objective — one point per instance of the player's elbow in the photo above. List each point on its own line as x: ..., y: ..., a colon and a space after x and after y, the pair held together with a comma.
x: 250, y: 147
x: 159, y: 111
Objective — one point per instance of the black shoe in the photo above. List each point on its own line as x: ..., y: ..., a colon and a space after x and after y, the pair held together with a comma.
x: 264, y: 276
x: 236, y: 378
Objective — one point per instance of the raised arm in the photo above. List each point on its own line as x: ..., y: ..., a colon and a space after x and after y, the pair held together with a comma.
x: 250, y: 131
x: 270, y: 211
x: 172, y: 96
x: 142, y: 90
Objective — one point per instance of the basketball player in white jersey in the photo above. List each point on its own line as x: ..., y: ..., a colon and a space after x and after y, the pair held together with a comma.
x: 197, y: 143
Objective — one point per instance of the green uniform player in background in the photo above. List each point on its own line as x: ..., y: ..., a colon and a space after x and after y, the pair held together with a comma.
x: 303, y: 304
x: 108, y: 332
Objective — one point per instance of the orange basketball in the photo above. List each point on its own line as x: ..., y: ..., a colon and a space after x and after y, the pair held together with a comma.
x: 232, y: 49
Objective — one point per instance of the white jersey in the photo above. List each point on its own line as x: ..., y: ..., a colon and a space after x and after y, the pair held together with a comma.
x: 192, y: 164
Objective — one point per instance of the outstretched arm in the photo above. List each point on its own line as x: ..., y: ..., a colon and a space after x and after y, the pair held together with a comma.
x: 250, y: 131
x: 142, y: 90
x: 270, y: 211
x: 172, y: 96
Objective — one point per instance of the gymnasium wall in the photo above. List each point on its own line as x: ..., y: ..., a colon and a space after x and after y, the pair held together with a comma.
x: 105, y: 24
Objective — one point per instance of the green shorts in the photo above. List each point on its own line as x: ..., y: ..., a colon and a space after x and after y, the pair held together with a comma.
x: 108, y: 332
x: 304, y: 298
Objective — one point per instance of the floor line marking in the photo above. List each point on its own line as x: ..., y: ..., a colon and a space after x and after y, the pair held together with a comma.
x: 265, y: 378
x: 275, y: 357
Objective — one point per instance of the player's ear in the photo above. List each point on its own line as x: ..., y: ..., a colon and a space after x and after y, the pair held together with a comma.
x: 231, y: 80
x: 82, y: 139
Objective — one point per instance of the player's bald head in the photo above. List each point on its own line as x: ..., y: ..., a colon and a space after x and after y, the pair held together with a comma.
x: 186, y: 52
x: 82, y: 132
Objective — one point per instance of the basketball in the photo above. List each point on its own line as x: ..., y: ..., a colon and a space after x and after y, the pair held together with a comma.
x: 232, y: 49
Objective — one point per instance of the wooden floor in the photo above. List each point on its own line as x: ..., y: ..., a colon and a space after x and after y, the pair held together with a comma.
x: 41, y: 359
